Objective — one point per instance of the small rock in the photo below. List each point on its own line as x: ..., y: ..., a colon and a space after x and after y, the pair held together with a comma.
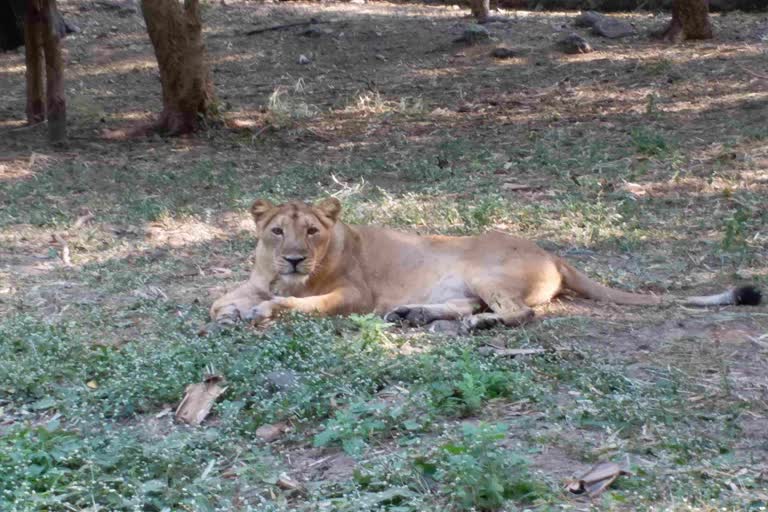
x: 503, y: 53
x: 281, y: 381
x: 381, y: 57
x: 313, y: 31
x: 604, y: 26
x: 447, y: 327
x: 573, y: 43
x: 587, y: 19
x: 269, y: 433
x: 760, y: 33
x: 612, y: 28
x: 474, y: 34
x: 71, y: 28
x: 674, y: 76
x: 122, y: 8
x: 486, y: 351
x: 303, y: 59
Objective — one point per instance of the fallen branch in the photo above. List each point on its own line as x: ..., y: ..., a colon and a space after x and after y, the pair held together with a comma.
x: 311, y: 21
x: 57, y: 238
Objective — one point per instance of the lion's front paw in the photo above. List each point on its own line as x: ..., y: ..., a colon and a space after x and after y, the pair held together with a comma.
x: 226, y: 315
x: 260, y: 313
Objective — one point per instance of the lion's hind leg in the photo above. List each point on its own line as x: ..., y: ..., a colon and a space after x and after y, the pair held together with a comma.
x: 506, y: 305
x: 423, y: 314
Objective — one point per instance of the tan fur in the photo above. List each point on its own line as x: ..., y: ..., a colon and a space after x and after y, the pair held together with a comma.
x: 480, y: 280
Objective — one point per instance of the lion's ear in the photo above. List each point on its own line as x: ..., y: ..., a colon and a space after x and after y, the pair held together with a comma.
x: 330, y: 207
x: 259, y: 208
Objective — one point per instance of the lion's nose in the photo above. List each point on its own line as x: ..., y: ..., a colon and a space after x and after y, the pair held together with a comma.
x: 294, y: 260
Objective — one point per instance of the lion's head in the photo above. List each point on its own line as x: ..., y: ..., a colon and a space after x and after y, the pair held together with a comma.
x: 294, y: 237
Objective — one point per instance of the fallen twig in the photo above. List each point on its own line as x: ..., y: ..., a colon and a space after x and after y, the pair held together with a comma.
x: 83, y: 220
x: 57, y: 238
x: 311, y: 21
x: 753, y: 73
x: 513, y: 352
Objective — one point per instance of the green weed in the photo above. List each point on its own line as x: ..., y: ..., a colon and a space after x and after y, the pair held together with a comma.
x: 478, y: 474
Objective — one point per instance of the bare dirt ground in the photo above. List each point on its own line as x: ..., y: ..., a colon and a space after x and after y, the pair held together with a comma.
x: 645, y: 164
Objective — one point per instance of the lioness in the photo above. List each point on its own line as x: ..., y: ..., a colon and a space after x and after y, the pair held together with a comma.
x: 309, y: 261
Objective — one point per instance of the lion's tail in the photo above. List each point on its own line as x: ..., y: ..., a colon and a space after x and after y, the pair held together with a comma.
x: 581, y: 284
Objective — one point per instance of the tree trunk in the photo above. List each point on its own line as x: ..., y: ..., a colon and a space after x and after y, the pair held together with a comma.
x: 690, y: 20
x: 176, y: 35
x: 56, y: 104
x: 33, y: 48
x: 12, y: 15
x: 481, y: 9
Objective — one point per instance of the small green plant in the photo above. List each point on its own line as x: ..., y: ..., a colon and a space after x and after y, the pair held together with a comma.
x: 373, y: 329
x: 356, y: 424
x: 483, y: 214
x: 648, y: 142
x: 478, y: 474
x: 651, y: 108
x: 735, y: 230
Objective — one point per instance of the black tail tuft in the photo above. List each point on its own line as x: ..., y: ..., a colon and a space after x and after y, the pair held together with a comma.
x: 747, y: 296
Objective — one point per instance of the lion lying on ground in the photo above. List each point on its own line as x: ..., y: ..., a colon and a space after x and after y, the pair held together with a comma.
x: 307, y: 260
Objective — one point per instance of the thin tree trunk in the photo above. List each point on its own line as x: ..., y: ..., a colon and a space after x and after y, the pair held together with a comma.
x: 54, y: 74
x: 690, y: 20
x: 481, y: 9
x: 33, y: 51
x: 176, y: 35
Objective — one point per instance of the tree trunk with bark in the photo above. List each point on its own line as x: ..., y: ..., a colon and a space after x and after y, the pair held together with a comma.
x: 481, y: 10
x: 690, y: 20
x: 176, y: 35
x: 33, y: 53
x: 42, y: 45
x: 56, y: 104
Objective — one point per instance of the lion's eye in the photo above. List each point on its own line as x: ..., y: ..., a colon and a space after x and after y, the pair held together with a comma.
x: 311, y: 231
x: 277, y: 231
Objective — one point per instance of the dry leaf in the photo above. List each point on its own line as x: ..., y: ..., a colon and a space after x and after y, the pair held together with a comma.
x: 270, y: 433
x: 92, y: 384
x: 198, y: 399
x: 288, y: 483
x: 595, y: 481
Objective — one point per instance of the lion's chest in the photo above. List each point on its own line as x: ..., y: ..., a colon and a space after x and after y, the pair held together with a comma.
x: 289, y: 287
